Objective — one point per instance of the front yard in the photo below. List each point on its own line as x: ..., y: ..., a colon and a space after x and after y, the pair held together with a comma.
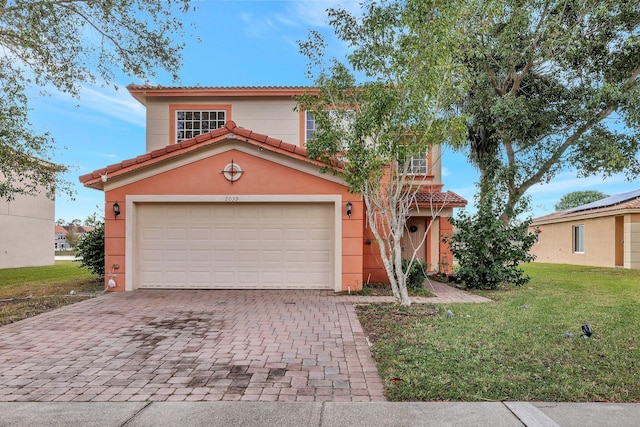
x: 515, y: 348
x: 26, y: 292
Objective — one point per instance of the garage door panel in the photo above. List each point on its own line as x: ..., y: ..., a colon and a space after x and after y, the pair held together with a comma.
x: 174, y: 277
x: 247, y: 256
x: 247, y: 214
x: 200, y: 255
x: 271, y: 234
x: 223, y: 255
x: 273, y: 278
x: 151, y: 255
x: 319, y: 234
x: 176, y: 255
x: 242, y: 245
x: 200, y: 277
x: 250, y: 234
x: 295, y: 256
x: 272, y: 256
x: 151, y: 233
x: 223, y: 234
x: 299, y: 234
x: 200, y: 233
x: 200, y: 213
x: 176, y: 212
x: 151, y: 276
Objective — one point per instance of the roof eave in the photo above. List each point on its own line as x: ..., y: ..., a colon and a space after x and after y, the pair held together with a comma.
x: 584, y: 215
x: 142, y: 92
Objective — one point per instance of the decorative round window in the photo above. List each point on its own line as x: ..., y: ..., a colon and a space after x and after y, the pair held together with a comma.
x: 232, y: 171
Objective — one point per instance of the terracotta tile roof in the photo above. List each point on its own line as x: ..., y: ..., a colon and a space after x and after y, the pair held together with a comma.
x: 64, y: 229
x: 626, y: 205
x: 440, y: 198
x: 229, y: 131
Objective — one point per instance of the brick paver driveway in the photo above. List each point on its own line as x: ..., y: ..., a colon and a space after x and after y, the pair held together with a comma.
x: 191, y: 345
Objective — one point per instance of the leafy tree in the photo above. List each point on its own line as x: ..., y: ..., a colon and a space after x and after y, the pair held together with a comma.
x: 488, y: 250
x: 91, y: 250
x: 554, y: 84
x: 60, y: 221
x: 63, y: 45
x: 579, y: 198
x: 405, y: 50
x: 93, y: 220
x: 75, y: 222
x: 72, y: 237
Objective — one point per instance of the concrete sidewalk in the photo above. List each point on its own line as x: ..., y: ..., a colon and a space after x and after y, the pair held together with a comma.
x: 116, y: 414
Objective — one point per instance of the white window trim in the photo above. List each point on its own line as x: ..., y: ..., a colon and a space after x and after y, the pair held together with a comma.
x: 577, y: 233
x: 419, y: 165
x: 219, y: 122
x: 309, y: 118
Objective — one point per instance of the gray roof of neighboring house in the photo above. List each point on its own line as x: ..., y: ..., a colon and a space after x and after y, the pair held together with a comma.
x: 608, y: 205
x: 607, y: 201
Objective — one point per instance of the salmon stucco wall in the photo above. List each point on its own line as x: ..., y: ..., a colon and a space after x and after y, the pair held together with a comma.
x: 261, y: 176
x: 438, y: 254
x: 445, y: 257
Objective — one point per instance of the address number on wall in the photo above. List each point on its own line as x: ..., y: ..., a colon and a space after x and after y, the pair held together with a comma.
x: 232, y: 198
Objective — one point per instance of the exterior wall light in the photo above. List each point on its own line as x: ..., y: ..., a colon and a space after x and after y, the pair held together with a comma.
x: 116, y: 209
x: 349, y: 208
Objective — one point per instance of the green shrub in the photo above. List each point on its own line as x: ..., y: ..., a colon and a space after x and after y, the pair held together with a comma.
x: 91, y: 250
x: 417, y: 273
x: 489, y: 252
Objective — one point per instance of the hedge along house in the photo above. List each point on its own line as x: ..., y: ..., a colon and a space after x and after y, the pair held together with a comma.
x: 213, y: 203
x: 605, y: 233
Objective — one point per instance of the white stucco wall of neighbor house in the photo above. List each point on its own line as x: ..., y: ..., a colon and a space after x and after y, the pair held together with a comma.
x: 27, y: 231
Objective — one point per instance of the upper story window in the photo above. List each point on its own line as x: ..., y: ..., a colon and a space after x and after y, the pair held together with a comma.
x: 419, y: 164
x: 310, y: 126
x: 191, y: 123
x: 347, y: 119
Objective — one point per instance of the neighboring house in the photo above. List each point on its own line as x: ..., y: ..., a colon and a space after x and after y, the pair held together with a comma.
x: 26, y: 224
x: 60, y: 239
x: 605, y: 233
x: 226, y: 197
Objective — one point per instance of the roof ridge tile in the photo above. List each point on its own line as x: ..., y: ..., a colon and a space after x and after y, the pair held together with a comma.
x: 230, y: 129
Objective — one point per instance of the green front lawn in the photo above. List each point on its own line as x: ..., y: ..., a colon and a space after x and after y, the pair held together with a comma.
x: 28, y: 291
x: 514, y: 349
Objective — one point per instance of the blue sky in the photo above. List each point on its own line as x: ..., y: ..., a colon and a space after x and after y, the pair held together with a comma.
x: 234, y: 43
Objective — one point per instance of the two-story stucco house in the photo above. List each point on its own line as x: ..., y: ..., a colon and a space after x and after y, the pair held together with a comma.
x: 226, y: 197
x: 26, y: 227
x: 61, y: 243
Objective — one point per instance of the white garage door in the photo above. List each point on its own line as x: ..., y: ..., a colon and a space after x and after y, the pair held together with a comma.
x: 235, y: 245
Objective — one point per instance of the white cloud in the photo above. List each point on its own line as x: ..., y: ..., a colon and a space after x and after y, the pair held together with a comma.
x: 296, y: 14
x: 107, y: 101
x: 117, y: 104
x: 567, y: 182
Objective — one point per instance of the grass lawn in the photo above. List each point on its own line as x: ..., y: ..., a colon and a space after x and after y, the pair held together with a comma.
x: 504, y: 351
x: 28, y: 291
